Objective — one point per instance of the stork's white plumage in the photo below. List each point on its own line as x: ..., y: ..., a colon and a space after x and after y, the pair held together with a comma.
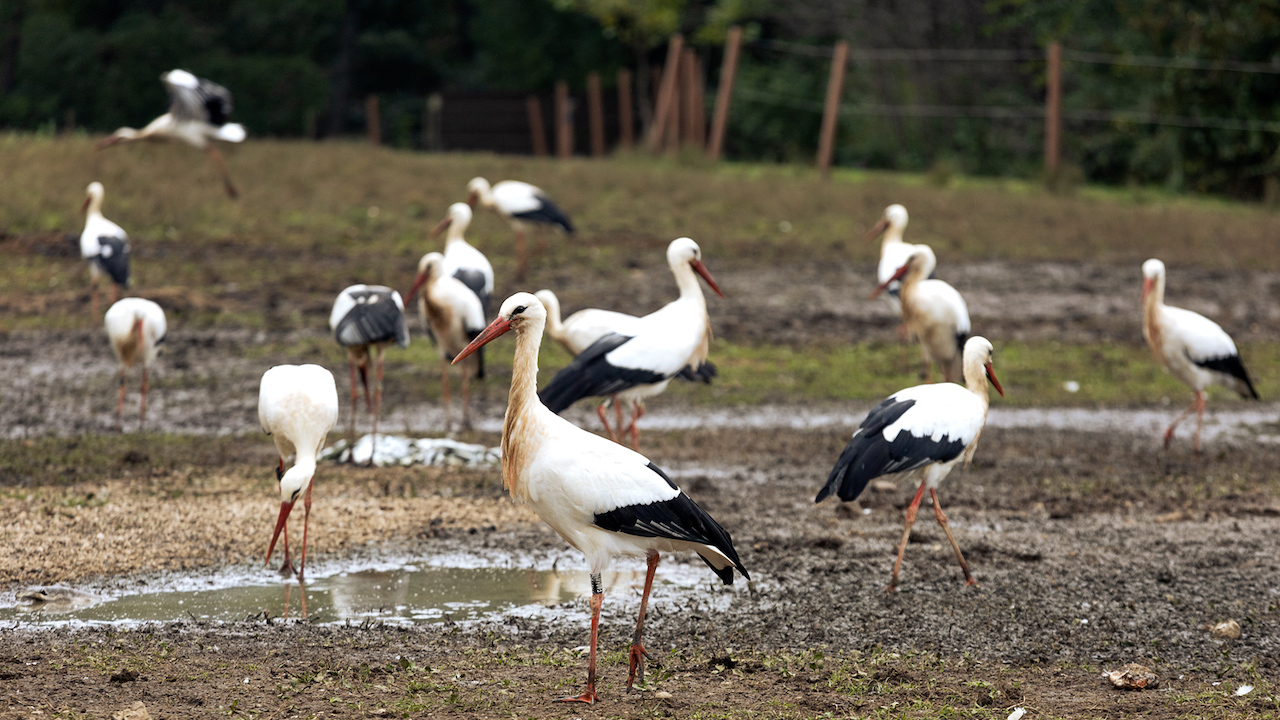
x: 632, y: 367
x: 932, y: 311
x: 461, y: 259
x: 922, y: 432
x: 455, y: 315
x: 199, y: 111
x: 105, y: 246
x: 136, y: 328
x: 297, y: 407
x: 894, y: 251
x: 1193, y: 348
x: 365, y: 318
x: 581, y: 329
x: 522, y: 205
x: 603, y: 499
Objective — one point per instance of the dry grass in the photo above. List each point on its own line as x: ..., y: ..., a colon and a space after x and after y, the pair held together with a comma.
x: 306, y: 227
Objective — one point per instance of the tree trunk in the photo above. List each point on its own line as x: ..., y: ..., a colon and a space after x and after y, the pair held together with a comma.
x: 643, y: 94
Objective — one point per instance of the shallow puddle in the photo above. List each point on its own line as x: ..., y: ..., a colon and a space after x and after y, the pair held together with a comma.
x: 407, y: 594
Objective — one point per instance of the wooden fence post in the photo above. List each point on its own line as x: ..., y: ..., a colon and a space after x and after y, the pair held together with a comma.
x: 595, y: 110
x: 724, y: 95
x: 537, y: 132
x: 666, y: 94
x: 626, y: 123
x: 1053, y: 108
x: 699, y: 104
x: 564, y: 121
x: 372, y: 120
x: 689, y: 98
x: 831, y: 112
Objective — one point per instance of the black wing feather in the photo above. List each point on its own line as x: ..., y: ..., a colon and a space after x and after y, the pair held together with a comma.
x: 547, y: 213
x: 474, y: 279
x: 679, y: 518
x: 207, y: 101
x: 869, y: 455
x: 113, y: 258
x: 1230, y: 366
x: 704, y: 373
x: 591, y: 375
x: 373, y: 322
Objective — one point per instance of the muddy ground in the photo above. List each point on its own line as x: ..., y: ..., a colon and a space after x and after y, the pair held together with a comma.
x: 1091, y: 549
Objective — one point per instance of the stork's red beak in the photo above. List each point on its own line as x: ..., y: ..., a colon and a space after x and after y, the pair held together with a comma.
x: 285, y: 507
x: 701, y: 269
x: 876, y: 229
x: 443, y: 224
x: 1147, y: 284
x: 885, y: 285
x: 418, y: 281
x: 991, y: 375
x: 471, y: 199
x: 495, y: 329
x: 85, y: 206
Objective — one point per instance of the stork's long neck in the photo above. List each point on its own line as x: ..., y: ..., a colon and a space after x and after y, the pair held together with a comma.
x: 1151, y: 329
x: 306, y: 459
x: 95, y: 208
x: 975, y: 378
x: 555, y: 325
x: 892, y: 234
x: 521, y: 422
x: 455, y: 233
x: 687, y: 283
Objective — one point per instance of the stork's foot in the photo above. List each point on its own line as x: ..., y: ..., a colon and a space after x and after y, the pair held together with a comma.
x: 287, y: 570
x: 636, y: 674
x: 891, y: 588
x: 589, y: 697
x: 1168, y: 438
x: 970, y: 582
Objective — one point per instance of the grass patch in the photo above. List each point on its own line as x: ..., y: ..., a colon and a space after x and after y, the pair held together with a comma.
x: 315, y: 217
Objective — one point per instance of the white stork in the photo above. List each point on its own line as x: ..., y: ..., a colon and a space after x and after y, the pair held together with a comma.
x: 455, y: 315
x: 923, y: 432
x: 894, y: 251
x: 105, y: 245
x: 603, y: 499
x: 368, y: 317
x: 136, y: 328
x: 932, y: 311
x: 1191, y: 347
x: 461, y: 259
x: 297, y: 407
x: 522, y: 205
x: 638, y: 364
x: 198, y: 112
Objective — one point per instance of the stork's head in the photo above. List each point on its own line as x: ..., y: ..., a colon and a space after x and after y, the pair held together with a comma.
x: 431, y: 265
x: 895, y: 216
x: 458, y: 215
x: 92, y: 195
x: 1152, y: 274
x: 520, y: 312
x: 978, y: 352
x: 920, y: 263
x: 478, y: 189
x: 293, y: 483
x: 684, y: 251
x: 181, y: 78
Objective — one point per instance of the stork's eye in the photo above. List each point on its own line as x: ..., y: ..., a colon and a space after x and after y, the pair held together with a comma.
x: 517, y: 311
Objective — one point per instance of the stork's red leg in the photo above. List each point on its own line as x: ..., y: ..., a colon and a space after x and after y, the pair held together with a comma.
x: 216, y: 156
x: 377, y: 405
x: 942, y: 520
x: 906, y: 533
x: 1168, y: 434
x: 355, y: 397
x: 364, y: 380
x: 306, y: 523
x: 120, y: 404
x: 637, y: 412
x: 143, y: 412
x: 1199, y: 403
x: 617, y: 417
x: 597, y: 599
x: 638, y: 653
x: 604, y: 420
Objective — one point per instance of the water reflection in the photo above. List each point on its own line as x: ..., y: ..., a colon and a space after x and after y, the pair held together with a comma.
x: 406, y: 594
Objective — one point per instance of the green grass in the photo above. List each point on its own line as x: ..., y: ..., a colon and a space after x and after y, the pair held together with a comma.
x: 316, y: 217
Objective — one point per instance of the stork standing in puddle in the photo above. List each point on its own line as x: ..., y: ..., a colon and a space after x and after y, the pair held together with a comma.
x: 105, y: 245
x: 1193, y: 348
x: 603, y: 499
x: 923, y: 431
x: 639, y: 363
x: 199, y: 111
x: 297, y: 407
x: 523, y: 206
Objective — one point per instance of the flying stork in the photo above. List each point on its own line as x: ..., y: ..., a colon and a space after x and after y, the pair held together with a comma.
x: 923, y: 432
x: 522, y: 205
x: 603, y: 499
x: 105, y: 245
x: 461, y: 259
x: 638, y: 363
x: 297, y: 407
x: 455, y: 315
x: 1193, y: 348
x: 932, y: 311
x: 364, y: 318
x: 136, y: 328
x: 198, y: 112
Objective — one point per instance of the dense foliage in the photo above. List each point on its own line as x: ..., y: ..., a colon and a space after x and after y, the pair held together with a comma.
x: 304, y: 66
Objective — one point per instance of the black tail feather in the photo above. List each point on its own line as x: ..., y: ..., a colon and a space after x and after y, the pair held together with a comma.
x: 1234, y: 367
x: 704, y: 373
